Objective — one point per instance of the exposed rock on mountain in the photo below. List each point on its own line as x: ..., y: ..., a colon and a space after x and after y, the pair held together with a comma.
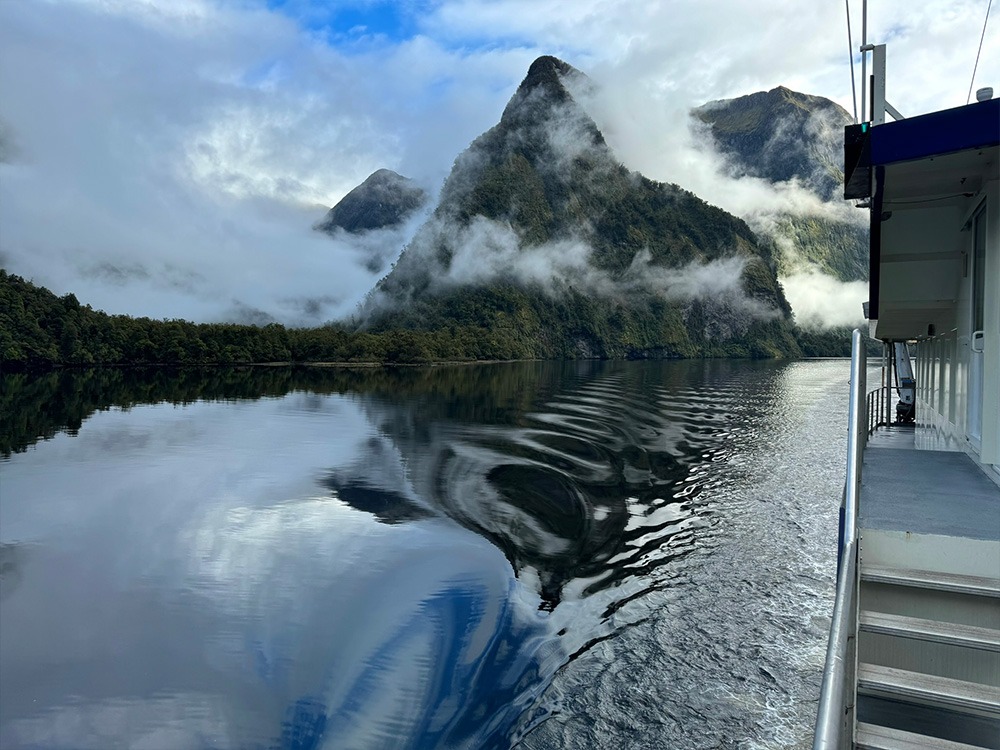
x: 544, y: 239
x: 384, y: 200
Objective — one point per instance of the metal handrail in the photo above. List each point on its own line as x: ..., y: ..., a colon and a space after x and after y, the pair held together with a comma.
x: 876, y: 408
x: 856, y: 433
x: 879, y: 404
x: 835, y: 718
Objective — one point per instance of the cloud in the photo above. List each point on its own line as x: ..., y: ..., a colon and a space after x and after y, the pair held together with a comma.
x: 669, y: 145
x: 706, y: 51
x: 821, y: 301
x: 376, y: 249
x: 485, y: 250
x: 200, y: 134
x: 169, y: 174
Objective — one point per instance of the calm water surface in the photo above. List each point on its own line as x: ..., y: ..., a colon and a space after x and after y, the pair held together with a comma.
x: 587, y: 555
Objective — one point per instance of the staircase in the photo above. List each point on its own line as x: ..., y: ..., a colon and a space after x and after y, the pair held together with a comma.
x: 928, y: 645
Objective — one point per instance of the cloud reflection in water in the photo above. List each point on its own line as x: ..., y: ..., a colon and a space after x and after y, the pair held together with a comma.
x: 512, y: 517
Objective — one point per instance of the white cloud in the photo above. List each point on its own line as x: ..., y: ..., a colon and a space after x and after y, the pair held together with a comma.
x: 820, y: 301
x: 243, y: 150
x: 190, y: 139
x: 175, y: 16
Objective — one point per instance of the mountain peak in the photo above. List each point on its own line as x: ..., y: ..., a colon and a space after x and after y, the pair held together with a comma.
x: 540, y: 231
x: 547, y: 70
x: 384, y: 175
x: 542, y: 133
x: 806, y: 146
x: 385, y: 199
x: 544, y: 82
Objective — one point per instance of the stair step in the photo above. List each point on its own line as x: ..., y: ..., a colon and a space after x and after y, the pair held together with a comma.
x: 969, y: 636
x: 927, y: 579
x: 874, y: 737
x: 914, y: 687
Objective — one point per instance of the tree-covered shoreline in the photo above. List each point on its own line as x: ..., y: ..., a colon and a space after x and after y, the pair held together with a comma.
x: 40, y: 330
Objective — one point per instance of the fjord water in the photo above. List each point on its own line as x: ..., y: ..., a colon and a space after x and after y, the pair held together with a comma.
x: 540, y: 555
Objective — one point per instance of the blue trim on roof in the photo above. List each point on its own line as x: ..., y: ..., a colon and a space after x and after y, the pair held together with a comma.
x: 971, y: 127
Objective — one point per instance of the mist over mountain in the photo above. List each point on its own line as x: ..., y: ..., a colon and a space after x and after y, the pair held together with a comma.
x: 781, y: 135
x: 542, y: 237
x: 789, y: 138
x: 375, y: 218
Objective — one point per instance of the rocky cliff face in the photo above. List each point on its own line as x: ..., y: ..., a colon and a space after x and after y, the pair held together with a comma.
x: 543, y: 236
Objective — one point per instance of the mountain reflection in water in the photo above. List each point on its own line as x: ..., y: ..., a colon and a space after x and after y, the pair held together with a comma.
x: 414, y: 558
x: 584, y: 490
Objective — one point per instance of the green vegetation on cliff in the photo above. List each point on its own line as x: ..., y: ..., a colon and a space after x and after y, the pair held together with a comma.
x: 781, y: 136
x: 385, y: 199
x: 542, y: 237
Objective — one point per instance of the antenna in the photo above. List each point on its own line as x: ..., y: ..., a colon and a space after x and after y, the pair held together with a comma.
x: 976, y: 66
x: 850, y: 55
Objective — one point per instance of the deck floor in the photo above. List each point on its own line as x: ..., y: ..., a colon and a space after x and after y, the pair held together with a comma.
x: 925, y: 492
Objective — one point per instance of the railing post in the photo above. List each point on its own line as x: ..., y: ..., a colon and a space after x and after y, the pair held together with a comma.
x: 856, y: 419
x: 835, y: 719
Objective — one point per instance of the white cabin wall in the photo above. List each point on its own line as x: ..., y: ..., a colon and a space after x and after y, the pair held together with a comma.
x: 921, y: 269
x: 942, y: 362
x: 941, y: 368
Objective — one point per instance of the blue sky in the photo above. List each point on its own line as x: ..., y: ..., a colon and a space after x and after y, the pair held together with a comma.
x: 392, y: 22
x: 362, y: 24
x: 169, y: 158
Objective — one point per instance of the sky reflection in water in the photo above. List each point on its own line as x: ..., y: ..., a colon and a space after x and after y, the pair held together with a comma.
x: 403, y: 561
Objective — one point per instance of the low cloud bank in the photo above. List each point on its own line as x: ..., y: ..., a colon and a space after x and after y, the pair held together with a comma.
x: 821, y: 301
x: 484, y: 250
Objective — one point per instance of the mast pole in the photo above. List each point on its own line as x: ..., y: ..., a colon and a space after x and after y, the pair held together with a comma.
x: 864, y: 57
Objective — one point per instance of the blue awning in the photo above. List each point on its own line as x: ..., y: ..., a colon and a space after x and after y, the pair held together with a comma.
x: 971, y: 127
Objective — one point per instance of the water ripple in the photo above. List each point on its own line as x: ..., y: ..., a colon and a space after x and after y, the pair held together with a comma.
x: 583, y: 555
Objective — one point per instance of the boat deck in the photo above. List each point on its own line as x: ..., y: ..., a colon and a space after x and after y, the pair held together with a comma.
x: 925, y: 492
x: 929, y: 529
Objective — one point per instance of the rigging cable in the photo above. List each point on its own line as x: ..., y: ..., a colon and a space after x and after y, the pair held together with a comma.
x: 927, y: 200
x: 981, y: 38
x: 850, y: 54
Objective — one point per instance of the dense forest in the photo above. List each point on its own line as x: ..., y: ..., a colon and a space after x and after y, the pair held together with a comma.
x: 40, y: 330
